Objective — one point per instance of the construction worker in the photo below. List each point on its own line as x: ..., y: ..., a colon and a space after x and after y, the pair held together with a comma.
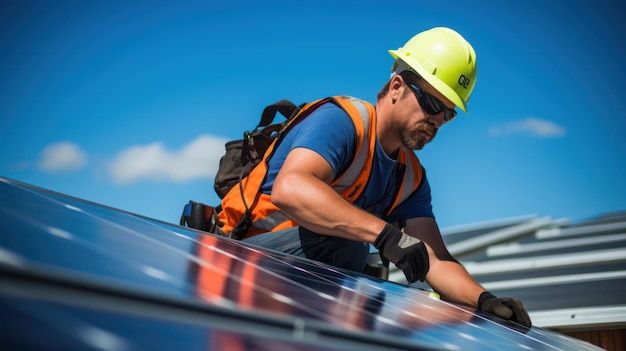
x: 347, y: 176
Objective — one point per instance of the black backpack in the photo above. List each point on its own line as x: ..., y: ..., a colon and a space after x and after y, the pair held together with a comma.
x: 243, y: 155
x: 240, y: 158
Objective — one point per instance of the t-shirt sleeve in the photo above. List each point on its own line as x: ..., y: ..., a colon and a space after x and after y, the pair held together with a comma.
x: 328, y: 131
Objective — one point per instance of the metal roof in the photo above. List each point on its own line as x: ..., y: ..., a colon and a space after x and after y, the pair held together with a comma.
x: 568, y: 275
x: 78, y: 275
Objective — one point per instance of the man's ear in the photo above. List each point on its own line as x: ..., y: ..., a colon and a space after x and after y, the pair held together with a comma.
x: 395, y: 88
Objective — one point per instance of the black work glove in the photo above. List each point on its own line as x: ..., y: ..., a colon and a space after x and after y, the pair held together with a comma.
x: 507, y: 308
x: 406, y: 252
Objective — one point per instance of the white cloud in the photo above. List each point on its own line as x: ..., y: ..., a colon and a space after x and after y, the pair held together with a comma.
x: 197, y: 159
x: 530, y: 126
x: 62, y: 157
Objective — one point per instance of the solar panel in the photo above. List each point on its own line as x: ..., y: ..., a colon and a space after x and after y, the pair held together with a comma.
x: 79, y: 275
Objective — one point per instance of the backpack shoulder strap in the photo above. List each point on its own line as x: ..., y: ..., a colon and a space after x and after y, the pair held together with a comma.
x: 285, y: 107
x: 265, y: 130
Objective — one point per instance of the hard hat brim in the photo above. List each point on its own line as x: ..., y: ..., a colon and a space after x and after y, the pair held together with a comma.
x: 430, y: 77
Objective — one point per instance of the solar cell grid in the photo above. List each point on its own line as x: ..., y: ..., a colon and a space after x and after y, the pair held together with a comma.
x: 223, y: 283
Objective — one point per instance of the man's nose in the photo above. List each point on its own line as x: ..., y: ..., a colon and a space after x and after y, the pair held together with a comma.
x: 436, y: 120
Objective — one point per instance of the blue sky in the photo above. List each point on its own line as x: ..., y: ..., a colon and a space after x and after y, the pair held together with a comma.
x: 129, y: 104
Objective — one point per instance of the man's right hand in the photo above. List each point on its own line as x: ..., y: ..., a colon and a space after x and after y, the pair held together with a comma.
x: 406, y: 252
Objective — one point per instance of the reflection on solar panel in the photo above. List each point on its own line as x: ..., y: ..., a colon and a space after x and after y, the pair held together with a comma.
x: 78, y: 275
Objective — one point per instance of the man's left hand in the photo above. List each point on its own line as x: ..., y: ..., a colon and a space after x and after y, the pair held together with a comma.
x: 507, y: 308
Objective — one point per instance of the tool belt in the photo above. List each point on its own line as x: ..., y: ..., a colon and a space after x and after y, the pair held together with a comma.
x: 202, y: 217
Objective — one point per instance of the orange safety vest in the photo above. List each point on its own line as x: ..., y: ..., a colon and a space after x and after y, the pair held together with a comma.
x: 265, y: 217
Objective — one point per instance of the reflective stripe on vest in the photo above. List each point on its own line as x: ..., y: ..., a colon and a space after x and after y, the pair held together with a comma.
x: 412, y: 177
x: 271, y: 221
x: 349, y: 177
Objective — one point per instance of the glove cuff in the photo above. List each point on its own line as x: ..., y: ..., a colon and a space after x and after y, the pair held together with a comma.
x: 486, y: 295
x: 387, y: 232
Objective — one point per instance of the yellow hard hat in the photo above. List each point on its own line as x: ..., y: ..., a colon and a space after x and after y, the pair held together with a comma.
x: 444, y: 59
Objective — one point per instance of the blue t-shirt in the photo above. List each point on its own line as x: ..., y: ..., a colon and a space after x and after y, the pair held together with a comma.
x: 329, y: 131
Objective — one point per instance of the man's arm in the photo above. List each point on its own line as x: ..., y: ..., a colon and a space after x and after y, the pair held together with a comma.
x: 446, y: 276
x: 450, y: 279
x: 302, y: 191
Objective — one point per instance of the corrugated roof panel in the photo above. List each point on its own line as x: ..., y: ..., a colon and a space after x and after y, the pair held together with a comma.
x: 553, y: 268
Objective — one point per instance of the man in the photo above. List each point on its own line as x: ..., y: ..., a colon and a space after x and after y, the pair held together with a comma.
x: 345, y: 176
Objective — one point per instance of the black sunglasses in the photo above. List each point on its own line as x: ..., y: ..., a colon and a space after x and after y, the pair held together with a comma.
x: 431, y: 104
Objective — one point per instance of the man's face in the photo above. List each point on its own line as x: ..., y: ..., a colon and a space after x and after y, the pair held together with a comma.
x: 420, y: 127
x: 417, y: 135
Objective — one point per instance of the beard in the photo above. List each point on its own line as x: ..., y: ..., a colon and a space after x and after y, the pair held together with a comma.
x: 417, y: 136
